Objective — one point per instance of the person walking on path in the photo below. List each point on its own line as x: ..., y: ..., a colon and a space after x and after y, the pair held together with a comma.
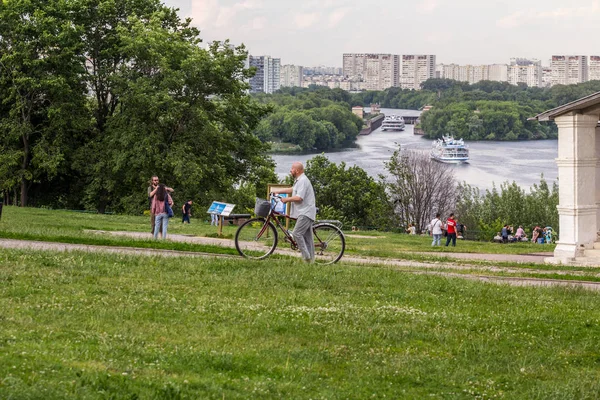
x: 159, y: 196
x: 451, y: 227
x: 154, y: 182
x: 304, y: 208
x: 186, y: 210
x: 436, y: 230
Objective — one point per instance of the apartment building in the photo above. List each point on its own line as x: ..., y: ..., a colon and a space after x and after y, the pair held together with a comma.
x: 498, y: 72
x: 594, y: 68
x: 568, y: 70
x: 472, y: 73
x: 267, y: 78
x: 376, y: 71
x: 291, y: 75
x: 523, y: 70
x: 416, y: 69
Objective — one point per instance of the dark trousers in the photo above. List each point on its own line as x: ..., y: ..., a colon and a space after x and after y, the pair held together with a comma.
x: 451, y: 236
x: 186, y: 218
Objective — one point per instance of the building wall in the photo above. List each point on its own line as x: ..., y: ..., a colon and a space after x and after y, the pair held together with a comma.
x: 594, y: 68
x: 267, y: 78
x: 568, y: 70
x: 291, y: 75
x: 375, y: 71
x: 416, y: 69
x: 522, y: 70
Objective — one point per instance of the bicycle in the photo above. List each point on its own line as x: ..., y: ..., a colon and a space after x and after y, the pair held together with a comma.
x: 257, y: 238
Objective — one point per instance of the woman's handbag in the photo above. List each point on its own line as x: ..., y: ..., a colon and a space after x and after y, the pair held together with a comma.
x: 168, y: 208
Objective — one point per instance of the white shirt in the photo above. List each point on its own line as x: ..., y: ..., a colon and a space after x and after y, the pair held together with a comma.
x: 307, y: 207
x: 436, y: 226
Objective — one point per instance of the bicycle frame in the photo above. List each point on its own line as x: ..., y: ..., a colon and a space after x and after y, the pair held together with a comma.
x: 329, y: 242
x: 273, y: 216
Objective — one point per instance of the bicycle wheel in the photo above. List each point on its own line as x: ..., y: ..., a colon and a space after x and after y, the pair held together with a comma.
x: 256, y: 239
x: 330, y: 243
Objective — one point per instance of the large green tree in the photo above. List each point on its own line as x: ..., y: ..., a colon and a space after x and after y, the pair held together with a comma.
x: 98, y: 95
x: 42, y: 114
x: 348, y: 194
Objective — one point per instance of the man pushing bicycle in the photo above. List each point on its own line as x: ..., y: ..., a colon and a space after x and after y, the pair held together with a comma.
x: 304, y: 208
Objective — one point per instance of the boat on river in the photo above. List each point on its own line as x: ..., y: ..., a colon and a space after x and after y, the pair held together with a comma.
x: 450, y: 150
x: 393, y: 123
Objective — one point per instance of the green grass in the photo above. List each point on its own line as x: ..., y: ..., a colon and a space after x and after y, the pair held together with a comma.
x: 72, y: 227
x: 98, y: 326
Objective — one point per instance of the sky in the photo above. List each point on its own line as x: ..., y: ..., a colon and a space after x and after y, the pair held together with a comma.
x: 318, y: 32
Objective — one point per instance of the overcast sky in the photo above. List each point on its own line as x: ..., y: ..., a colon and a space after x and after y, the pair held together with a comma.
x: 315, y: 32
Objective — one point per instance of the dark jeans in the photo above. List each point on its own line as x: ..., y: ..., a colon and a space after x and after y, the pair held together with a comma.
x: 451, y: 236
x: 186, y: 218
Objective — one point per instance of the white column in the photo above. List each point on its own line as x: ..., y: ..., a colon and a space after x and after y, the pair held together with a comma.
x: 577, y: 163
x: 597, y: 184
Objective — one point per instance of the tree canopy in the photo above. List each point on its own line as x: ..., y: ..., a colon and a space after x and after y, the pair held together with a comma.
x: 99, y: 95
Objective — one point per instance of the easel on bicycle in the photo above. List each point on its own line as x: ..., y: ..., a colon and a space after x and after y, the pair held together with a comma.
x: 287, y: 207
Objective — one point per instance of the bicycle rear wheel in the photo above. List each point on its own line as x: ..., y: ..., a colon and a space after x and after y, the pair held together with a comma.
x: 330, y: 243
x: 256, y: 239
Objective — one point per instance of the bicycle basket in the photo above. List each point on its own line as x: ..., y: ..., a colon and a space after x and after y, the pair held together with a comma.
x: 262, y: 208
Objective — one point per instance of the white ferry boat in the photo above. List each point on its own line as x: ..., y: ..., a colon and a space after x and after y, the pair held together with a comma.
x: 393, y: 123
x: 450, y: 150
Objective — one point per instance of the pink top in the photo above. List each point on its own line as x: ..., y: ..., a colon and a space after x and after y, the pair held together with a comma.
x: 158, y: 207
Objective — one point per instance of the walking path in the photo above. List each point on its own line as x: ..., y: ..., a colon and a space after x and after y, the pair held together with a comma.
x: 433, y: 268
x: 537, y: 258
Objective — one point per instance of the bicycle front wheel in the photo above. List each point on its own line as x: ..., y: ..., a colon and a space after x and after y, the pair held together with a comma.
x: 330, y: 243
x: 256, y: 239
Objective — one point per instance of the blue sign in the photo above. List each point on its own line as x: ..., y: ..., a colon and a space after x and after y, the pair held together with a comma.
x: 220, y: 208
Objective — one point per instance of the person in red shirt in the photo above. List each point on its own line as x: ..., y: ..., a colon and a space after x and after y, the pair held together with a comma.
x: 451, y: 227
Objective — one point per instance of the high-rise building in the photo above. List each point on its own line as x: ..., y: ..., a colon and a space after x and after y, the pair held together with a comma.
x: 376, y: 71
x: 568, y: 70
x: 291, y: 75
x: 267, y: 78
x: 523, y: 70
x: 594, y: 68
x: 416, y: 69
x: 498, y: 72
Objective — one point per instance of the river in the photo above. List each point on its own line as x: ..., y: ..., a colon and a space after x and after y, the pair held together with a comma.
x: 491, y: 162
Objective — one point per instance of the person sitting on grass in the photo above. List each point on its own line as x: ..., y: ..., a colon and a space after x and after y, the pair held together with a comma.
x: 520, y: 235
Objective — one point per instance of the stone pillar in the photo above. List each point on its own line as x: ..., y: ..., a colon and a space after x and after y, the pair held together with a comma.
x: 577, y: 163
x: 597, y: 184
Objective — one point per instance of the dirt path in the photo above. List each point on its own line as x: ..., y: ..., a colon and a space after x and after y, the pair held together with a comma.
x: 430, y: 268
x: 537, y: 258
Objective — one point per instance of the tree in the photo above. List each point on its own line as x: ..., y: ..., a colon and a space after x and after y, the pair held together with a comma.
x: 42, y: 96
x: 348, y: 194
x: 163, y: 105
x: 419, y: 187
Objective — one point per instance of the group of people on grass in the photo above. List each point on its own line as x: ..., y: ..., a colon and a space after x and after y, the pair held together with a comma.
x: 540, y: 235
x: 161, y: 203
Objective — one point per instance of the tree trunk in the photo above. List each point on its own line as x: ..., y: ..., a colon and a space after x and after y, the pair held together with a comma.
x: 24, y: 164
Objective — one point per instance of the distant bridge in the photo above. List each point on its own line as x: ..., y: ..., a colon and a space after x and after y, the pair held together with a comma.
x: 411, y: 120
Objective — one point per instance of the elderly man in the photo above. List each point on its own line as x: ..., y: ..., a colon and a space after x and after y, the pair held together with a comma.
x: 304, y: 208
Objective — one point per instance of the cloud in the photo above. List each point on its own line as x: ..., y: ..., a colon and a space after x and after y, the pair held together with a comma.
x: 427, y: 6
x: 210, y: 13
x: 523, y: 17
x: 256, y: 24
x: 337, y: 16
x: 306, y: 20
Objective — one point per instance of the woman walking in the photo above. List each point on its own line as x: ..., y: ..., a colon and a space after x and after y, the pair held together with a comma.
x: 159, y: 195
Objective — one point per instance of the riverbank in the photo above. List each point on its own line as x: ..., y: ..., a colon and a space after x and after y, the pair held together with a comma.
x: 491, y: 163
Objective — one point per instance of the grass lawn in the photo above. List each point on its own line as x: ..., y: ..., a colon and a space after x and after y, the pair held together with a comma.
x: 71, y: 227
x: 97, y: 326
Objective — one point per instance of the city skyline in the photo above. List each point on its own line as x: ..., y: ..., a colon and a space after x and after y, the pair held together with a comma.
x: 462, y: 31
